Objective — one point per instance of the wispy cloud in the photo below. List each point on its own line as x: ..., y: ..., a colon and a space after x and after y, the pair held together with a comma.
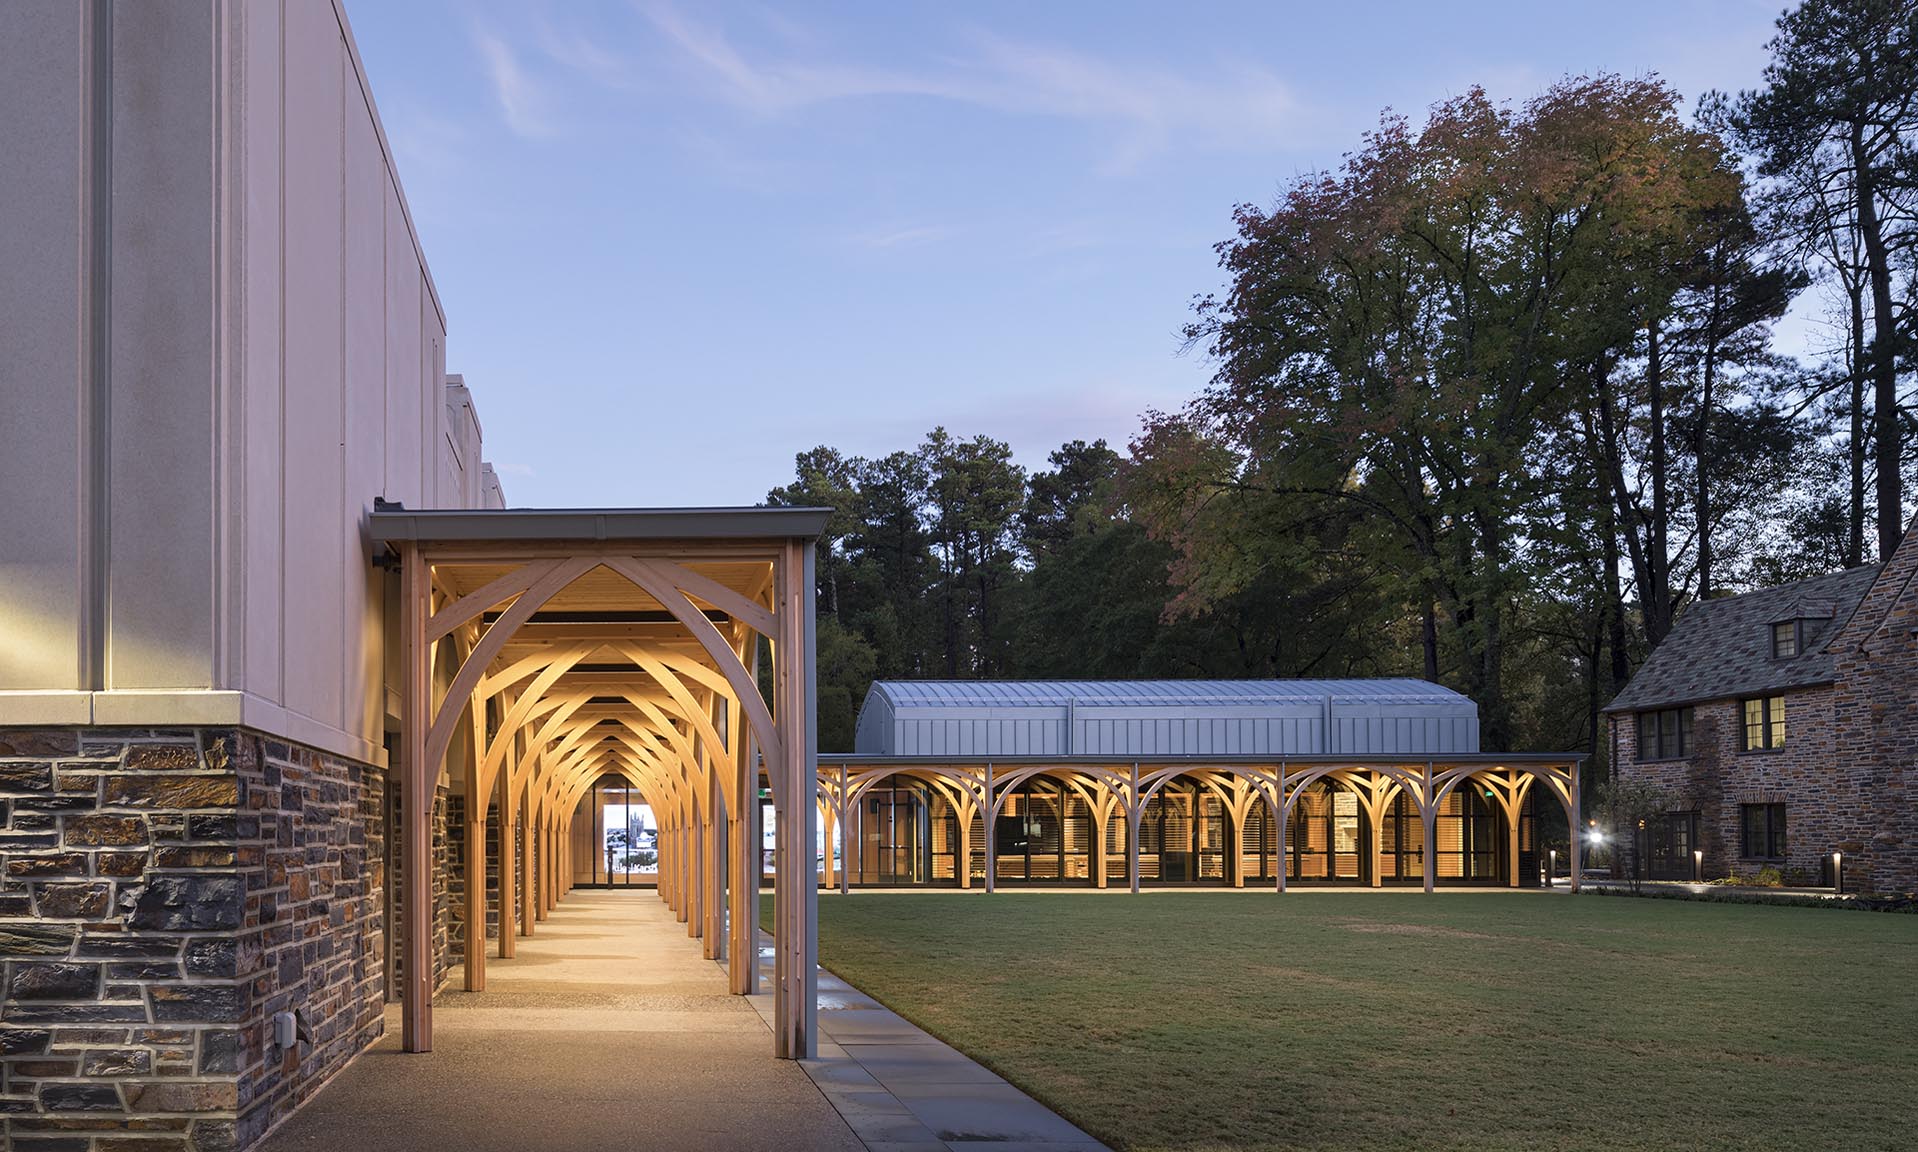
x: 901, y: 237
x: 521, y: 103
x: 1146, y: 108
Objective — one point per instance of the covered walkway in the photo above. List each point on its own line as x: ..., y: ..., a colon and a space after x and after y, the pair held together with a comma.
x: 606, y: 1030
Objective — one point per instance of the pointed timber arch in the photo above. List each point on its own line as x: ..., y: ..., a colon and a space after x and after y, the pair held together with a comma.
x: 625, y: 642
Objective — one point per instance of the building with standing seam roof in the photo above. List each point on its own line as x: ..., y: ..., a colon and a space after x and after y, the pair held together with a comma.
x: 1182, y: 782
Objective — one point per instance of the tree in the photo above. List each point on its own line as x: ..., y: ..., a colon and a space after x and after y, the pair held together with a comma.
x: 1399, y: 337
x: 1832, y: 129
x: 1627, y: 806
x: 826, y: 479
x: 976, y: 493
x: 1068, y: 499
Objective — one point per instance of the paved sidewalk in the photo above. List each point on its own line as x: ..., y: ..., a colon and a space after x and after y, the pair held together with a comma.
x: 901, y: 1090
x: 608, y: 1030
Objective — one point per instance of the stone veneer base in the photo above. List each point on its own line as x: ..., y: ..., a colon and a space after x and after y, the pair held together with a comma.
x: 164, y: 892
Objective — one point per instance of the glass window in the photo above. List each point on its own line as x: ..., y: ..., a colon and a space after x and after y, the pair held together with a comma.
x: 1764, y: 724
x: 1763, y: 828
x: 1784, y: 639
x: 1665, y: 734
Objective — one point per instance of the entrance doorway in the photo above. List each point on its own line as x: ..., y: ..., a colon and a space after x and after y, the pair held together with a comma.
x: 617, y: 836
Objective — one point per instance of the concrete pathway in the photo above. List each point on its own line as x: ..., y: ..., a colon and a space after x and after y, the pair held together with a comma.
x: 901, y: 1090
x: 608, y: 1030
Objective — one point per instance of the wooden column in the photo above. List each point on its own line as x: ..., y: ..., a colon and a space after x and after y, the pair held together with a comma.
x: 1135, y: 812
x: 829, y: 875
x: 962, y: 851
x: 416, y: 717
x: 1577, y: 824
x: 713, y: 866
x: 851, y: 836
x: 508, y: 870
x: 742, y: 942
x: 796, y: 884
x: 1512, y: 812
x: 1282, y: 812
x: 988, y: 820
x: 475, y: 851
x: 529, y: 852
x: 1428, y: 821
x: 695, y: 885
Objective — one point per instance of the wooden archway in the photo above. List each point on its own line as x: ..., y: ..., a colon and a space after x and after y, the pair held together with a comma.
x: 623, y: 643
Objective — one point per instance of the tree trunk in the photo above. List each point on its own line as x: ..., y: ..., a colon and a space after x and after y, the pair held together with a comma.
x: 1614, y: 602
x: 1701, y: 446
x: 1855, y: 450
x: 1886, y: 442
x: 1657, y: 599
x: 1429, y: 638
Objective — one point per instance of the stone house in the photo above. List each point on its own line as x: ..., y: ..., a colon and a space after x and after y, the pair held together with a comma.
x: 1783, y: 724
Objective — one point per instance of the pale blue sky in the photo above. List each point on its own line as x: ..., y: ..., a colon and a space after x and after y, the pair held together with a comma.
x: 678, y: 243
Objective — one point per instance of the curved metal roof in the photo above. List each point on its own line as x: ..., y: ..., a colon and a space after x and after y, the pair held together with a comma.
x: 1164, y: 717
x: 1155, y: 693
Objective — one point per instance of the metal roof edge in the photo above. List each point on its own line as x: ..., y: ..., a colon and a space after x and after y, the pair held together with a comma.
x: 855, y: 759
x: 597, y: 524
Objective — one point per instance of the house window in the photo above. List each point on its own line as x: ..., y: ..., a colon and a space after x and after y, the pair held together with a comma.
x: 1665, y: 734
x: 1765, y: 724
x: 1764, y: 831
x: 1784, y: 639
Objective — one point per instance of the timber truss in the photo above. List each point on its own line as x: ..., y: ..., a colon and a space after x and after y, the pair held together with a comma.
x: 1121, y: 790
x: 542, y: 651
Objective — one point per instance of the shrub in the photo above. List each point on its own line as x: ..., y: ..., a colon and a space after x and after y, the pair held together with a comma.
x: 1769, y: 877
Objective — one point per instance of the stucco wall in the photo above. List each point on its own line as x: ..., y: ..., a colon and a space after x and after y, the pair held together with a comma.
x: 231, y: 345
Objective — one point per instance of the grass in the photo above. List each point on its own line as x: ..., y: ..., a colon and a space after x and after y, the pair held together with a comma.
x: 1360, y: 1021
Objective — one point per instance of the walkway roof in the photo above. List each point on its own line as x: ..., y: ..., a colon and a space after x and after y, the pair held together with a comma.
x: 390, y: 522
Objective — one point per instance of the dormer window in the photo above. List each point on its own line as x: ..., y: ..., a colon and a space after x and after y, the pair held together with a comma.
x: 1785, y: 637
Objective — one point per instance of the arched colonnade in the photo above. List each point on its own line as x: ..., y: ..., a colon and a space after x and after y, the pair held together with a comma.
x: 541, y: 652
x: 1393, y: 802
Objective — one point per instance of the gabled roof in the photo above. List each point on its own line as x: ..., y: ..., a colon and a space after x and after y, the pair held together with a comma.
x: 1154, y: 693
x: 1721, y: 649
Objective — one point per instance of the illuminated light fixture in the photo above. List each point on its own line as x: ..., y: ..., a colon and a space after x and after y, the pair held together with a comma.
x: 1698, y: 864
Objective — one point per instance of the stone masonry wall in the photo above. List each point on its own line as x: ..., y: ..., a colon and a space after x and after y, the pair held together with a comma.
x: 314, y: 937
x: 442, y: 897
x: 456, y: 813
x: 1846, y: 774
x: 1877, y: 704
x: 161, y: 893
x: 1719, y: 777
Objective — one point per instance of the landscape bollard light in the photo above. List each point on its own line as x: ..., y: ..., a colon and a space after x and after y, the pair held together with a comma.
x: 1551, y: 870
x: 1838, y: 873
x: 1698, y: 865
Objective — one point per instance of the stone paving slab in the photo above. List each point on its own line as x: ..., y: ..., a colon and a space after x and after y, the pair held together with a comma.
x: 608, y: 1030
x: 904, y: 1090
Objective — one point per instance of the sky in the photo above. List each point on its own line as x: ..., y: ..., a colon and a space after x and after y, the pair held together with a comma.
x: 679, y: 243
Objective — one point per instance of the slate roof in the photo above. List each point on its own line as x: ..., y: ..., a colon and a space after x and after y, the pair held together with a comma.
x: 1721, y: 649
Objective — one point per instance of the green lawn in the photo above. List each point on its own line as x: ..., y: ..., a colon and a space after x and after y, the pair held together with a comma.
x: 1193, y: 1020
